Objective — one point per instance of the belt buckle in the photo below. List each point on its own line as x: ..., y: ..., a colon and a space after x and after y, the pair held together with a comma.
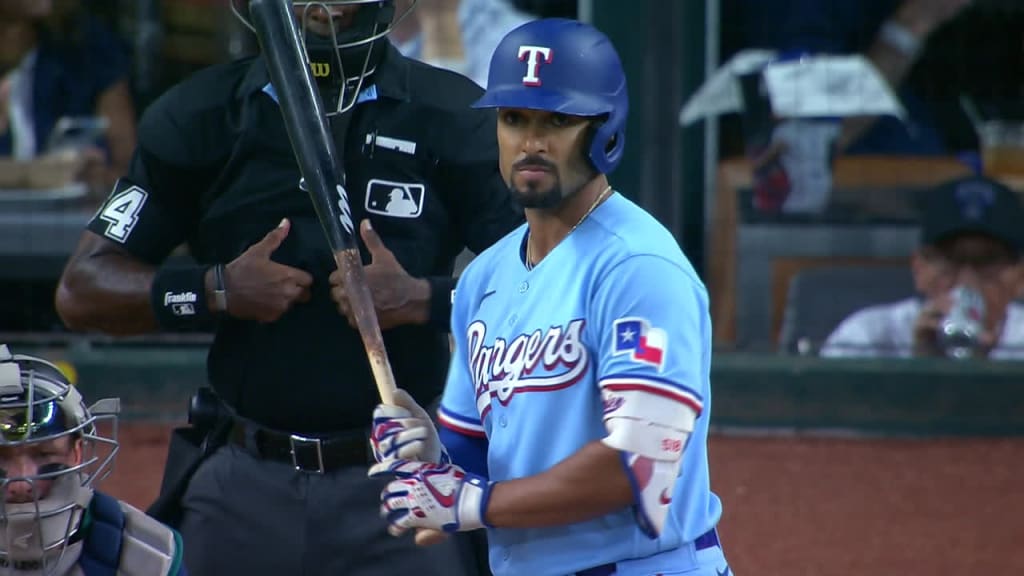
x: 296, y: 441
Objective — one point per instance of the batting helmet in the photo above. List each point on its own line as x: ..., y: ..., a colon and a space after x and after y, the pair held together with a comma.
x: 563, y: 66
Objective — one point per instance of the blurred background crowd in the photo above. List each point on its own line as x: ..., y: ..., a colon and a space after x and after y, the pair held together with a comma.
x: 819, y: 228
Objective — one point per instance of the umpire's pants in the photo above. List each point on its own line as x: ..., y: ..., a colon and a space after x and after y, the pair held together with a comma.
x: 243, y: 515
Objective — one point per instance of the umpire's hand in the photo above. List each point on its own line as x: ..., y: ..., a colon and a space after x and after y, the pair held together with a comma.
x: 259, y: 288
x: 397, y: 297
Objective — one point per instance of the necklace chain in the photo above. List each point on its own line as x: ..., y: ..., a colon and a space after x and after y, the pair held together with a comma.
x: 529, y: 250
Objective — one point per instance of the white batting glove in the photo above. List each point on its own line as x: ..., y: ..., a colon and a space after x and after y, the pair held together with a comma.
x: 424, y: 495
x: 403, y: 430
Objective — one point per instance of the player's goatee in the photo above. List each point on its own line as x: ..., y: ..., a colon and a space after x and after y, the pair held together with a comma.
x: 534, y: 197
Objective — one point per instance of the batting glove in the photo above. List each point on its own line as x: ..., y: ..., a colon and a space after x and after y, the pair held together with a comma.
x: 439, y: 496
x: 404, y: 431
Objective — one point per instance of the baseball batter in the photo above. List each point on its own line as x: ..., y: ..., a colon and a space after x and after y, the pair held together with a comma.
x: 575, y: 415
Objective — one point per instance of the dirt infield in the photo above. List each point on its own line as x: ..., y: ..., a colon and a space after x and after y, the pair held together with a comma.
x: 821, y: 507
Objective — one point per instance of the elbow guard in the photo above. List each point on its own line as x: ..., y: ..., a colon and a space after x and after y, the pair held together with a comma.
x: 651, y: 431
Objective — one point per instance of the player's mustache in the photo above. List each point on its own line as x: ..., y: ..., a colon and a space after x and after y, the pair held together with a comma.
x: 534, y: 162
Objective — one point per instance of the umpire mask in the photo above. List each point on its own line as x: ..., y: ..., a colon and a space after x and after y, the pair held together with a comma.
x: 50, y: 455
x: 344, y: 41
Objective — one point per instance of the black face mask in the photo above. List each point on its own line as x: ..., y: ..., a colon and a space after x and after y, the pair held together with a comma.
x: 336, y: 69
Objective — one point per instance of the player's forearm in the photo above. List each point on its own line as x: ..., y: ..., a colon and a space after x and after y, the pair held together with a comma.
x: 893, y: 66
x: 893, y: 63
x: 588, y: 484
x: 106, y: 292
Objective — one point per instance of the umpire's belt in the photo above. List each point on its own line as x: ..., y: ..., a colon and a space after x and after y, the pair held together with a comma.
x: 317, y: 454
x: 706, y: 540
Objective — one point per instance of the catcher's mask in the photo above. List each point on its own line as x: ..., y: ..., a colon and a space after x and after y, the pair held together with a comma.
x: 51, y: 454
x: 345, y: 52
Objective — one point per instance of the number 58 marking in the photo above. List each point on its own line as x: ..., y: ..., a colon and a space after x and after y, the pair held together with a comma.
x: 122, y: 212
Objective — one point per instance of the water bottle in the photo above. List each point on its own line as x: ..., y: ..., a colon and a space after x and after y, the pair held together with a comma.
x: 962, y: 326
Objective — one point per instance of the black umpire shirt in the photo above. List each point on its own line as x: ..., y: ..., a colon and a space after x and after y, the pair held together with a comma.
x: 214, y: 168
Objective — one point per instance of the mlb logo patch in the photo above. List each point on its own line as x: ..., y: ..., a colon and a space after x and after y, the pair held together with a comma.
x: 643, y: 342
x: 396, y: 199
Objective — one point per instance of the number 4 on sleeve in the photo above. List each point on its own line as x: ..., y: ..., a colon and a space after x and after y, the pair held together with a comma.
x: 121, y: 213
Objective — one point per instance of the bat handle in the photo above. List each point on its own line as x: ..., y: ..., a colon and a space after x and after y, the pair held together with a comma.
x: 429, y: 536
x: 361, y: 303
x: 366, y: 320
x: 383, y: 377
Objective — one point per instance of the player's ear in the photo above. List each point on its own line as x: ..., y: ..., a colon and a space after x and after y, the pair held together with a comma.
x: 76, y: 451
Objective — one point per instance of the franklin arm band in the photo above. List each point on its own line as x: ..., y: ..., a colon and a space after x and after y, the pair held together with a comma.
x: 178, y: 298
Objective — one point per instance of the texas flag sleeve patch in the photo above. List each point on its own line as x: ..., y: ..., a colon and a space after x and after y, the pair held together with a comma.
x: 643, y: 342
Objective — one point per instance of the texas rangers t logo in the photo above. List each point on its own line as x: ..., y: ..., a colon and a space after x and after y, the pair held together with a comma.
x: 533, y: 55
x: 636, y: 337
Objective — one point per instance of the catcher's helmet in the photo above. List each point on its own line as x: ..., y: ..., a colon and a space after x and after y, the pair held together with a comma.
x: 563, y: 66
x: 38, y: 405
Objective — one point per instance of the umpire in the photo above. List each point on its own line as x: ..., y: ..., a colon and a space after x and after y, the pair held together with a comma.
x: 287, y: 492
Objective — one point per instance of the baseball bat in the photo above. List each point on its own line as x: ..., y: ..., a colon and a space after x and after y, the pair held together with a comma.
x: 310, y: 137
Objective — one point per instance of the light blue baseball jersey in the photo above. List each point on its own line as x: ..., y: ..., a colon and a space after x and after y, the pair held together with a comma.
x: 616, y: 303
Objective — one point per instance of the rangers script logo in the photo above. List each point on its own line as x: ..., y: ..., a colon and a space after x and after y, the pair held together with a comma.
x: 505, y: 368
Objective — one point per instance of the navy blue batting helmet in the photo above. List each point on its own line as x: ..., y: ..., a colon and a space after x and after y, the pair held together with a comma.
x: 563, y: 66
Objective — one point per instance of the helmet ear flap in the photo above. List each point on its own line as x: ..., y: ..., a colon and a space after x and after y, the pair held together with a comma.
x: 606, y: 144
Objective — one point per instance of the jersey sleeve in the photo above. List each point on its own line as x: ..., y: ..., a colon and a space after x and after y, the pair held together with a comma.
x: 653, y: 331
x: 152, y: 208
x: 458, y: 410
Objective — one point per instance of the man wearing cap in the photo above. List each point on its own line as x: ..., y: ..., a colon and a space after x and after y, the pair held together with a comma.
x: 972, y: 235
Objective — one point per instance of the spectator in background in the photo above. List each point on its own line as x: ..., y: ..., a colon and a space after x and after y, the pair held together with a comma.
x: 459, y: 35
x: 57, y: 61
x: 972, y: 235
x: 892, y: 34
